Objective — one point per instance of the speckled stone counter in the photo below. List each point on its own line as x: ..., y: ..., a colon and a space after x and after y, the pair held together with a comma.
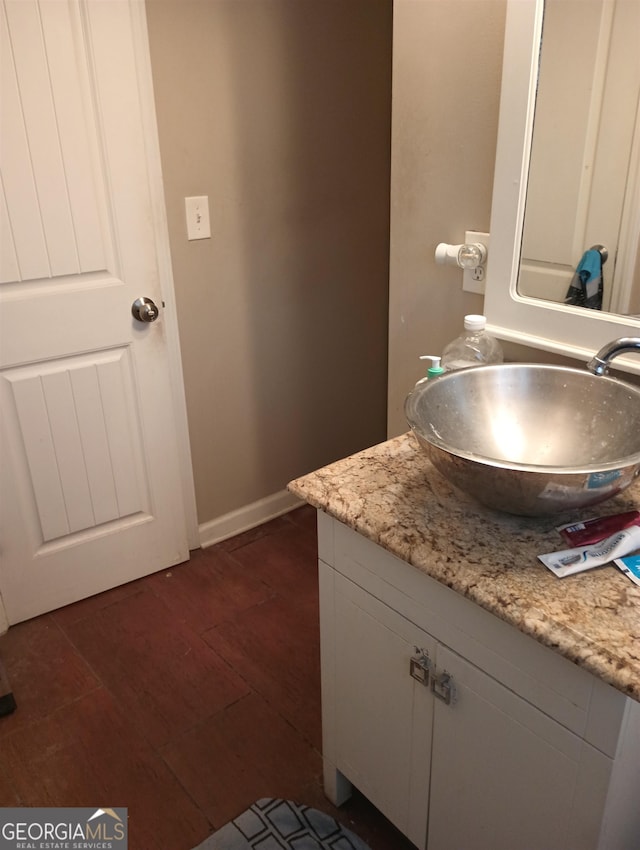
x: 392, y: 495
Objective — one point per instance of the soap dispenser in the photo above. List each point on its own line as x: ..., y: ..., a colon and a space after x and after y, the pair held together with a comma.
x: 435, y: 369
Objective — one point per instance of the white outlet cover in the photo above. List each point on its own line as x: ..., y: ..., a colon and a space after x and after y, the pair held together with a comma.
x: 474, y: 280
x: 197, y: 212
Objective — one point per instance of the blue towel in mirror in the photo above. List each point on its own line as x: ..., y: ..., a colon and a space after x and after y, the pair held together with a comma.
x: 586, y: 287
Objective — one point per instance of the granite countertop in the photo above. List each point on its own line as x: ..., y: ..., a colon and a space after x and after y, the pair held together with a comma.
x: 393, y: 495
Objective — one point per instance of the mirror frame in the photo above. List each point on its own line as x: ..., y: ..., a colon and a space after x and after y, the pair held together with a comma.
x: 570, y: 331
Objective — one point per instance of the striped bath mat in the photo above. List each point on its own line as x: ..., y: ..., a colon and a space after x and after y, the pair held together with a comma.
x: 272, y: 824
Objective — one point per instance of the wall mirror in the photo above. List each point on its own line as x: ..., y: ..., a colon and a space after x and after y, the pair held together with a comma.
x: 567, y: 175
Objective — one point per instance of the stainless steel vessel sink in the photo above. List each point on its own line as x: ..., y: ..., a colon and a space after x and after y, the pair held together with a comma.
x: 529, y: 439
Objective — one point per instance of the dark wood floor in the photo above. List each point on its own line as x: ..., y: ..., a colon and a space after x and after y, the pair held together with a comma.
x: 185, y: 696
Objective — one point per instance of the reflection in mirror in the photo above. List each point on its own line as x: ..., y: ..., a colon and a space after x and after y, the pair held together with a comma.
x: 584, y: 173
x: 544, y: 321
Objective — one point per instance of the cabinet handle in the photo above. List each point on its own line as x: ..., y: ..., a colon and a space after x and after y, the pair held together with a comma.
x: 420, y: 666
x: 442, y: 687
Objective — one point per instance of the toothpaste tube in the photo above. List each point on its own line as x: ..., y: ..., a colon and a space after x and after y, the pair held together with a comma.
x: 630, y: 566
x: 571, y: 561
x: 598, y: 528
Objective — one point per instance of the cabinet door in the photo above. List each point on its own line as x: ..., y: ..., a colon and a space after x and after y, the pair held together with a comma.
x: 383, y: 716
x: 504, y: 775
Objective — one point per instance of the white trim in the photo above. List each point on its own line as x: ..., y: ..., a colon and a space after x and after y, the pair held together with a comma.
x: 249, y: 516
x: 541, y: 324
x: 629, y: 244
x: 140, y: 37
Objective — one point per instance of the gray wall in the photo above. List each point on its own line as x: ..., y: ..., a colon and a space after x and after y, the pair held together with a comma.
x: 279, y: 111
x: 447, y: 68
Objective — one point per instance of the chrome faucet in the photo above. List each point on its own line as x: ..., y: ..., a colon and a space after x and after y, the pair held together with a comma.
x: 600, y: 362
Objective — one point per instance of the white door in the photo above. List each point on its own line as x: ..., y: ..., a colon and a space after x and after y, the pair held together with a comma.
x: 91, y: 485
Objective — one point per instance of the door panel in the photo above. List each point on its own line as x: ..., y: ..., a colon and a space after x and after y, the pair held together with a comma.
x: 50, y: 149
x: 506, y: 775
x: 91, y: 490
x: 383, y: 716
x: 77, y: 423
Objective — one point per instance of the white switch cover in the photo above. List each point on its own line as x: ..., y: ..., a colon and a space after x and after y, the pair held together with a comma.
x: 197, y: 210
x: 474, y: 280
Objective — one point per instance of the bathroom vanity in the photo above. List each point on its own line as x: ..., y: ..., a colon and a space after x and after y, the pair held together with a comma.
x: 477, y: 700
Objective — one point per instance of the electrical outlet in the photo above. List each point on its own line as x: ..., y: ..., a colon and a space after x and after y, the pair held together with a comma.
x: 197, y: 210
x: 474, y: 280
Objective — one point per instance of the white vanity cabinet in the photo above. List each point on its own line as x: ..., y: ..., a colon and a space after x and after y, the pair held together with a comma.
x: 464, y: 732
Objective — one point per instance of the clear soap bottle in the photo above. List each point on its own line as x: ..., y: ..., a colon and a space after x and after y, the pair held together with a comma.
x: 474, y: 347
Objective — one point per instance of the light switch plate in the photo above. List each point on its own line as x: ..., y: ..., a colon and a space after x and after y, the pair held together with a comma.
x: 197, y: 210
x: 474, y: 280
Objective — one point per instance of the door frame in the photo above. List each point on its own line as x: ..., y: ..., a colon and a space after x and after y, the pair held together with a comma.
x: 140, y: 36
x: 140, y: 41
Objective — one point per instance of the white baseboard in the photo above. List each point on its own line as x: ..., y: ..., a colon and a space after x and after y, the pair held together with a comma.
x: 247, y: 517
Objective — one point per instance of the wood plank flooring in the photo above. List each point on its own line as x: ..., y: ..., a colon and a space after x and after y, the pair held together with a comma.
x: 185, y: 696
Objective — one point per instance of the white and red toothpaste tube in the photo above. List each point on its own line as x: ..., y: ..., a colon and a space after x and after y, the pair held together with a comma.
x: 598, y: 528
x: 577, y: 560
